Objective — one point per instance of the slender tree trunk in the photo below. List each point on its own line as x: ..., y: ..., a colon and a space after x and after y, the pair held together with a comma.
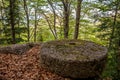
x: 19, y: 23
x: 49, y: 25
x: 113, y: 27
x: 117, y: 37
x: 79, y: 2
x: 53, y: 10
x: 118, y: 57
x: 2, y: 16
x: 27, y: 16
x: 115, y: 45
x: 61, y: 28
x: 66, y: 6
x: 2, y: 9
x: 55, y: 24
x: 36, y: 22
x: 12, y: 20
x: 1, y: 12
x: 35, y: 29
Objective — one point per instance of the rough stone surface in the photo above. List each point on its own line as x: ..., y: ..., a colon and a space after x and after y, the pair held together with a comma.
x: 18, y: 48
x: 73, y: 58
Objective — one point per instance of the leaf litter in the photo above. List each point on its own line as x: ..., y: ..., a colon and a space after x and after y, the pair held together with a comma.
x: 25, y: 67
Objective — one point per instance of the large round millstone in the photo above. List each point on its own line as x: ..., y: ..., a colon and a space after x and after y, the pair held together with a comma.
x: 73, y: 58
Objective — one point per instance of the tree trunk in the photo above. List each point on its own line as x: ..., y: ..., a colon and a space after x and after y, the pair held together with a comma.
x: 66, y: 6
x: 12, y: 20
x: 1, y: 12
x: 27, y: 16
x: 19, y: 23
x: 54, y: 13
x: 114, y: 40
x: 35, y: 29
x: 3, y: 17
x: 50, y: 27
x: 118, y: 38
x: 79, y: 2
x: 113, y: 27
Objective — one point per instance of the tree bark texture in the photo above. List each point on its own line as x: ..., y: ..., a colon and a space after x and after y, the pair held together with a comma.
x: 77, y: 24
x: 35, y: 29
x: 50, y: 26
x: 12, y: 20
x: 27, y: 16
x: 113, y: 26
x: 54, y: 13
x: 66, y: 6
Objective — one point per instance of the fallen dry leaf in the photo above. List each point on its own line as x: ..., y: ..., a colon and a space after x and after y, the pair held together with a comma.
x: 24, y: 67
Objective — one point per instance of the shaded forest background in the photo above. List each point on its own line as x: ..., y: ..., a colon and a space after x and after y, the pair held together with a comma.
x: 24, y: 21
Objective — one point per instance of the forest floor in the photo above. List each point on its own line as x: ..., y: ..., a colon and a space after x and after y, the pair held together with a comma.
x: 25, y: 67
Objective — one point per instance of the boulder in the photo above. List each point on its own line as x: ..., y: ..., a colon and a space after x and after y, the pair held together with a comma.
x: 73, y: 58
x: 18, y: 48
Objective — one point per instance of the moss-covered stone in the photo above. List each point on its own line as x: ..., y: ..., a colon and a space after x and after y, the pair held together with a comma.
x: 73, y: 58
x: 17, y: 48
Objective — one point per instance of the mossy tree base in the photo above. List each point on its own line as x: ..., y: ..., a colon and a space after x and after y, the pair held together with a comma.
x: 73, y: 58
